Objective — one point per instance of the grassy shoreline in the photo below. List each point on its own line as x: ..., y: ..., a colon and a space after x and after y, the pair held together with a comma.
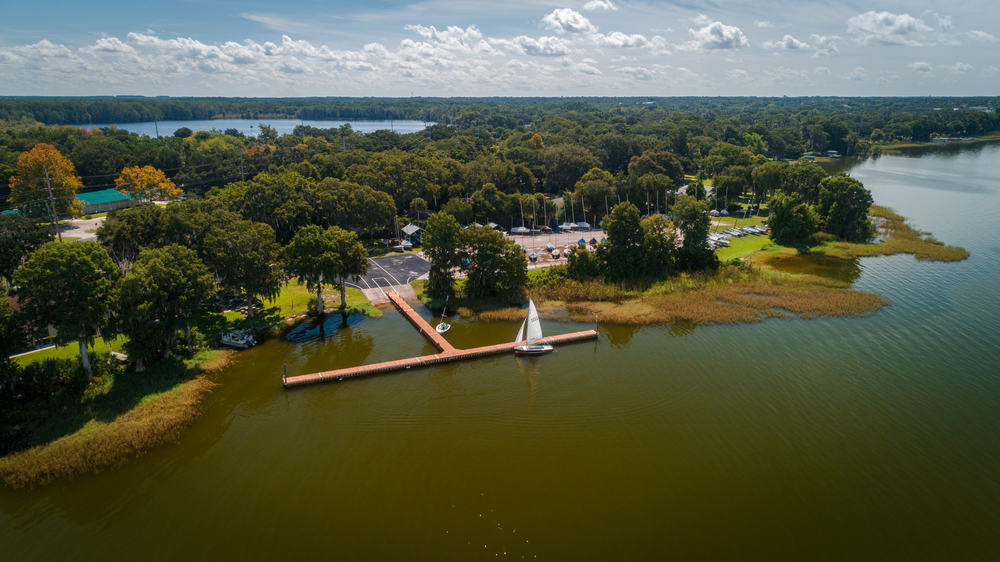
x: 746, y: 288
x: 122, y: 414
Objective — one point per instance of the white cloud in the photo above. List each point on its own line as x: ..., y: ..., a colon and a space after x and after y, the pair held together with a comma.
x: 886, y: 28
x: 763, y: 24
x: 825, y: 45
x: 822, y: 70
x: 737, y: 74
x: 787, y: 43
x: 943, y: 22
x: 599, y: 5
x: 567, y: 20
x: 919, y: 66
x: 620, y: 40
x: 701, y: 19
x: 982, y: 36
x: 859, y: 73
x: 637, y: 72
x: 543, y: 46
x: 961, y: 67
x: 715, y: 35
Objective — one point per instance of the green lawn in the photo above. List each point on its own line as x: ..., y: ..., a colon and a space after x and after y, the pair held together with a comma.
x: 742, y: 247
x: 68, y: 351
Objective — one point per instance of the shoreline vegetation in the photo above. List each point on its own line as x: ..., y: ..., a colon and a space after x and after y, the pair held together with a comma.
x: 123, y: 414
x: 747, y: 287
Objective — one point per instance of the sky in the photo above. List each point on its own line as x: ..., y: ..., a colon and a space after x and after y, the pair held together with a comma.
x: 445, y: 48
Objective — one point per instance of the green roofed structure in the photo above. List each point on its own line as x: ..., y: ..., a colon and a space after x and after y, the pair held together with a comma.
x: 105, y: 200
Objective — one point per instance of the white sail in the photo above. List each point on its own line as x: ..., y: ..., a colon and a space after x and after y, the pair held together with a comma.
x: 534, y: 326
x: 520, y: 333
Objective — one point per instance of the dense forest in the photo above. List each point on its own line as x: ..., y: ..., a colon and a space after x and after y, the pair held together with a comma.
x: 476, y: 142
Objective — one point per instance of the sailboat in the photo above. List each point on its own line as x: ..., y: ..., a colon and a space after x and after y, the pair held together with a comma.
x: 443, y: 327
x: 534, y: 334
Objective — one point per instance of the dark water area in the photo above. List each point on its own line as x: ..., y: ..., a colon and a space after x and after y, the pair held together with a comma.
x: 872, y: 438
x: 251, y: 127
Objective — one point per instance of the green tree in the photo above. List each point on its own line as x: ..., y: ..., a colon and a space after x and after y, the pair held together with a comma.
x: 625, y: 237
x: 160, y: 295
x: 803, y: 177
x: 246, y: 260
x: 441, y: 243
x: 843, y: 208
x: 792, y: 221
x: 418, y: 205
x: 656, y: 162
x: 312, y: 257
x: 768, y: 177
x: 68, y: 286
x: 659, y: 246
x: 593, y: 191
x: 496, y: 267
x: 691, y: 218
x: 19, y: 237
x: 12, y: 336
x: 278, y: 200
x: 459, y: 209
x: 352, y: 260
x: 125, y: 231
x: 583, y: 264
x: 565, y: 164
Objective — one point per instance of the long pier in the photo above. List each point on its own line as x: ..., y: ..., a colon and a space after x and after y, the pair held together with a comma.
x: 447, y: 352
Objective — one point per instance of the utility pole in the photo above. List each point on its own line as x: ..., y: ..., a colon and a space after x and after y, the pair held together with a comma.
x: 52, y: 203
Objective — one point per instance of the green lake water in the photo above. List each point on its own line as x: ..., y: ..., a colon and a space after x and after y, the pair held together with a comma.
x: 831, y: 439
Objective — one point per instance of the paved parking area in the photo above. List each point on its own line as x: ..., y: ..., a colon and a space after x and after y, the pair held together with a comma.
x: 392, y: 271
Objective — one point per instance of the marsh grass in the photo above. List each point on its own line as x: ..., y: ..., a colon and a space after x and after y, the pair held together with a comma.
x: 98, y: 426
x: 899, y: 238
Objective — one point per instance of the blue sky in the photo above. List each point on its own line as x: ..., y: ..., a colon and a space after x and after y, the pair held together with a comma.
x: 514, y: 47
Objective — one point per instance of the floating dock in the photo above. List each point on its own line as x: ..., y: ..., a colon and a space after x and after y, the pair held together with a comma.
x: 447, y: 352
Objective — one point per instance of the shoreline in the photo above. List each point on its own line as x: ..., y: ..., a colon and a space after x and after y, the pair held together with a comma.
x: 746, y: 288
x: 124, y: 414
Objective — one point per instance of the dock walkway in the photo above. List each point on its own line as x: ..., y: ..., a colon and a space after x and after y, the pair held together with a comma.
x: 447, y: 351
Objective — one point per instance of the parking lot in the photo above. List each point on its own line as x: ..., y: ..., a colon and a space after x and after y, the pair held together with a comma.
x: 391, y: 271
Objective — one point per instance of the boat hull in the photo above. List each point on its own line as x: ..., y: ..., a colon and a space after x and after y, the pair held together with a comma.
x: 532, y: 349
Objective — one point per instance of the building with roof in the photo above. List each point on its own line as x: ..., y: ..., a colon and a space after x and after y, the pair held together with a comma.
x: 105, y: 200
x: 412, y: 232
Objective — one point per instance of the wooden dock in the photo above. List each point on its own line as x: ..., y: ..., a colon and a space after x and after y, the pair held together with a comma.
x: 447, y: 352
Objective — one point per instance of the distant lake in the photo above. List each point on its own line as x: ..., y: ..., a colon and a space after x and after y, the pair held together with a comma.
x: 251, y: 127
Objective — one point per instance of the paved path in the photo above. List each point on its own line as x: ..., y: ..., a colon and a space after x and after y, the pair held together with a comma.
x: 78, y: 228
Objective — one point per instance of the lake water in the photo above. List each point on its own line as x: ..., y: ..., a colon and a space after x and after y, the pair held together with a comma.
x: 832, y: 439
x: 251, y: 127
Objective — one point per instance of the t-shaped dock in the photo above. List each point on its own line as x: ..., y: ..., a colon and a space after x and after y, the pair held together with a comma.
x: 447, y: 353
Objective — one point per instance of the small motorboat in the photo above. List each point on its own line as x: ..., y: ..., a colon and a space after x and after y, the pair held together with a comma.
x: 550, y: 246
x: 238, y: 338
x: 555, y: 253
x: 533, y: 256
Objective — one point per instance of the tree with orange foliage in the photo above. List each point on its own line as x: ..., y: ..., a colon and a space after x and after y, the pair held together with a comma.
x: 146, y: 182
x: 45, y: 184
x: 536, y: 141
